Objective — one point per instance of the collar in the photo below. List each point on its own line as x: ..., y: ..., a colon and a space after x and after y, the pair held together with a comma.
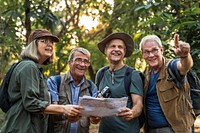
x: 72, y: 81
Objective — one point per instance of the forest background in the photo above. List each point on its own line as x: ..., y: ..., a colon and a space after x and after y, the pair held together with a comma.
x: 85, y: 22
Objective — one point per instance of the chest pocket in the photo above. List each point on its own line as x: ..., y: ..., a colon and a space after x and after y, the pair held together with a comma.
x: 167, y: 90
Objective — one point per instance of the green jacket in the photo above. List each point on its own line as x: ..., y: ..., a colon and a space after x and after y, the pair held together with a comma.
x: 170, y: 99
x: 58, y: 123
x: 29, y: 95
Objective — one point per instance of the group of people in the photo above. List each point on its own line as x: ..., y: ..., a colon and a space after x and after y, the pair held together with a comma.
x: 51, y: 105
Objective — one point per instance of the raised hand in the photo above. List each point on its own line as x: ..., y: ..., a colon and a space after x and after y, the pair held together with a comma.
x: 182, y: 49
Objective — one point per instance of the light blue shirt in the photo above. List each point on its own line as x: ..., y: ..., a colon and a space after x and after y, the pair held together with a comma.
x: 75, y: 96
x: 75, y: 89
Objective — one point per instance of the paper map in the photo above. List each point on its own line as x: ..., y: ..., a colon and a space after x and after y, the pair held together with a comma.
x: 102, y: 106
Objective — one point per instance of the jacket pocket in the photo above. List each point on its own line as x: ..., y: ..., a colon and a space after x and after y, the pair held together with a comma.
x: 168, y: 92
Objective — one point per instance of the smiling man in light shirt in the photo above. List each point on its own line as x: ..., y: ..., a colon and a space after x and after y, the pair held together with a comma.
x: 68, y: 89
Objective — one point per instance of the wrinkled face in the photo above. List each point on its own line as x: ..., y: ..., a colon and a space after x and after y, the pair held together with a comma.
x: 79, y: 64
x: 115, y: 51
x: 152, y: 54
x: 45, y: 47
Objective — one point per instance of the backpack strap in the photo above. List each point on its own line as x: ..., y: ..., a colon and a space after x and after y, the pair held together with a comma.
x: 127, y: 80
x: 172, y: 76
x: 100, y: 75
x: 90, y: 87
x: 178, y: 84
x: 58, y: 81
x: 127, y: 83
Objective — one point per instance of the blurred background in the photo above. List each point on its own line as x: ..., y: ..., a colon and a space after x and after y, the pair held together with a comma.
x: 85, y: 22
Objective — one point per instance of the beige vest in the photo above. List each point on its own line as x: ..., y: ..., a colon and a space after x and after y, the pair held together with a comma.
x: 63, y: 126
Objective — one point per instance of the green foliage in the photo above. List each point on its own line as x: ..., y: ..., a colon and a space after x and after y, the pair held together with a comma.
x: 137, y: 18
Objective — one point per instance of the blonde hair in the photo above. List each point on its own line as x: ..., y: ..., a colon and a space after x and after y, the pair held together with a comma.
x: 31, y: 52
x: 150, y: 38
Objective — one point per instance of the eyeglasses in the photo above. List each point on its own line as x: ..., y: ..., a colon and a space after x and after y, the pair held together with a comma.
x: 147, y: 53
x: 46, y: 41
x: 79, y: 61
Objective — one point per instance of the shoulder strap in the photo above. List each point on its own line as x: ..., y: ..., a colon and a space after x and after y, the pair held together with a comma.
x: 90, y: 87
x: 127, y: 80
x: 177, y: 83
x: 100, y: 76
x: 173, y: 77
x: 58, y: 81
x: 9, y: 73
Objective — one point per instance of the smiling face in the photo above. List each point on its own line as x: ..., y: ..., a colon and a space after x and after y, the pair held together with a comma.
x: 45, y: 48
x: 115, y: 51
x: 79, y: 65
x: 152, y: 54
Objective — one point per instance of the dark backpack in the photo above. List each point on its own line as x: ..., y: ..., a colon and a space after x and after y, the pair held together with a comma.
x: 5, y: 104
x: 127, y: 83
x: 194, y: 83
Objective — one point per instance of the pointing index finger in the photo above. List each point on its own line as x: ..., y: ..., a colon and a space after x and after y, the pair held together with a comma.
x: 176, y: 39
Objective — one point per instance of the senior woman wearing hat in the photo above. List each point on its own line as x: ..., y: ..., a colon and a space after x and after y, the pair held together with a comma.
x: 28, y: 88
x: 116, y: 47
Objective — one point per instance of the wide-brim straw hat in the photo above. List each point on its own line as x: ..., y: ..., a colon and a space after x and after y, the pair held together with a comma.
x: 38, y: 33
x: 127, y: 39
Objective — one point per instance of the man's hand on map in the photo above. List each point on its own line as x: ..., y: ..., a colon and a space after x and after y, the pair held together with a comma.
x: 72, y: 110
x: 126, y: 114
x: 95, y: 119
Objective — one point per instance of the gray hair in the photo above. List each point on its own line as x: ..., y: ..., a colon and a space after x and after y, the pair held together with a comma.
x: 150, y: 38
x: 79, y: 49
x: 31, y: 52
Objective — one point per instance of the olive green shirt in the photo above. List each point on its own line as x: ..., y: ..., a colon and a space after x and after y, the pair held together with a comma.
x: 29, y: 94
x: 115, y: 82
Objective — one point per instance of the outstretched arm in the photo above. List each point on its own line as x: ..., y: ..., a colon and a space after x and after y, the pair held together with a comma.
x: 183, y: 51
x: 70, y: 110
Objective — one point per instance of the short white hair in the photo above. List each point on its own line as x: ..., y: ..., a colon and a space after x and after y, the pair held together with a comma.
x: 150, y: 38
x: 78, y: 49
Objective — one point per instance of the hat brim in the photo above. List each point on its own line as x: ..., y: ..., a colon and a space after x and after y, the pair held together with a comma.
x: 122, y: 36
x: 55, y: 38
